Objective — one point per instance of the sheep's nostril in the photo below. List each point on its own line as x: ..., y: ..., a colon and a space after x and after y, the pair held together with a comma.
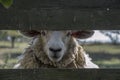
x: 55, y: 50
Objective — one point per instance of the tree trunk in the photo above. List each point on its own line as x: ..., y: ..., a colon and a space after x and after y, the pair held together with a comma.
x: 12, y: 42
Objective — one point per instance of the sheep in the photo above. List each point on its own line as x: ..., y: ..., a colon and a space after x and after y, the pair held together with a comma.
x: 55, y: 49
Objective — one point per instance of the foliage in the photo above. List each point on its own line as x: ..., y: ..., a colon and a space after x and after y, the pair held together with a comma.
x: 112, y: 34
x: 6, y: 3
x: 9, y: 56
x: 9, y: 33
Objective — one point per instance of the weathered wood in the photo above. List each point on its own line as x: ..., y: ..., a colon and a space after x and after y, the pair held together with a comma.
x: 61, y: 14
x: 60, y: 74
x: 28, y: 4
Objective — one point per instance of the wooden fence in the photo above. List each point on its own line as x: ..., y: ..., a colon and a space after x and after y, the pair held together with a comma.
x: 61, y: 14
x: 60, y: 74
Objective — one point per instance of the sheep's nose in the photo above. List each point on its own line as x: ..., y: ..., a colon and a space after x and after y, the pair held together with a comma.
x: 55, y: 50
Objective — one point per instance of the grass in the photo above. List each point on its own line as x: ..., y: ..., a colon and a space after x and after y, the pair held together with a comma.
x: 105, y: 55
x: 112, y: 63
x: 106, y: 48
x: 6, y: 47
x: 8, y: 56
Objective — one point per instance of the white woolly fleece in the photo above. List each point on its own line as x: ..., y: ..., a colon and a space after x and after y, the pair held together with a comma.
x: 89, y: 63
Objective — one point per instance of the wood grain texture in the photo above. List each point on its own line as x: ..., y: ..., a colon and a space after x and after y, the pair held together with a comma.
x: 61, y: 14
x: 28, y: 4
x: 60, y: 74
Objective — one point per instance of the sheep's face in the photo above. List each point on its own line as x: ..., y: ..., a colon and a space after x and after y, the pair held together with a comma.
x: 56, y: 42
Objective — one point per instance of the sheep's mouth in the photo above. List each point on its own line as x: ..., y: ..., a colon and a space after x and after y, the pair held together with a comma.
x: 55, y: 58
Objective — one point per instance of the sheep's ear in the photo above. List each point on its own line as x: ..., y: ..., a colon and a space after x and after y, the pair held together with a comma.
x: 29, y: 33
x: 83, y: 34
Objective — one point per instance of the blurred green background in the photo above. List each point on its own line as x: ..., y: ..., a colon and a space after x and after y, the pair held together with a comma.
x: 12, y: 45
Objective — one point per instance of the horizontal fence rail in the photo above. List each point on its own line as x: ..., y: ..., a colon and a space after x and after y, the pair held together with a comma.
x: 60, y: 74
x: 61, y: 14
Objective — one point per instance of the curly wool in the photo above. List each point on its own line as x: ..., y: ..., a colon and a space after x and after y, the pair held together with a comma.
x: 35, y: 57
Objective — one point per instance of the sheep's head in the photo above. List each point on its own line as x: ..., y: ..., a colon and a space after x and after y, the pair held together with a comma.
x: 55, y: 43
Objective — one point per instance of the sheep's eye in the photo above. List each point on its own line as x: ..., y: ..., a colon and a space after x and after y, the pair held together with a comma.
x: 43, y: 33
x: 68, y: 34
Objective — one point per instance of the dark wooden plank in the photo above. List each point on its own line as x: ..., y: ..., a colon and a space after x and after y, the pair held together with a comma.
x: 61, y: 19
x: 28, y: 4
x: 60, y: 74
x: 61, y: 14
